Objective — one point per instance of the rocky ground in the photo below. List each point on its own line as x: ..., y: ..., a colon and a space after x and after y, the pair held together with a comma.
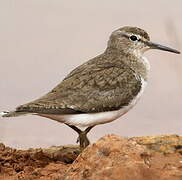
x: 110, y: 158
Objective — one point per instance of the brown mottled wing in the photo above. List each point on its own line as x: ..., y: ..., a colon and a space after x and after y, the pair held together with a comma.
x: 92, y: 87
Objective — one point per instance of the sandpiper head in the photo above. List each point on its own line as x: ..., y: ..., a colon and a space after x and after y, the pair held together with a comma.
x: 134, y: 40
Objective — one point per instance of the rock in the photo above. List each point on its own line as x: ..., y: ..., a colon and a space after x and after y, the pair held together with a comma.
x: 110, y: 158
x: 117, y: 158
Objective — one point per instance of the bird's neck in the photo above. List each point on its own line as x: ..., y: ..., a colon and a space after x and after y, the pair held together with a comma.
x: 134, y: 60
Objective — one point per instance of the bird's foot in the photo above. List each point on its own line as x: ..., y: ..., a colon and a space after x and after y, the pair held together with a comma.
x: 83, y: 140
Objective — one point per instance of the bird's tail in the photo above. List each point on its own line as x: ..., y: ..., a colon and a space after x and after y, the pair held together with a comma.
x: 12, y: 113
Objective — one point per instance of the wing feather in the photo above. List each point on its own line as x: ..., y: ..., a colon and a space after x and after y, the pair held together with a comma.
x: 92, y: 87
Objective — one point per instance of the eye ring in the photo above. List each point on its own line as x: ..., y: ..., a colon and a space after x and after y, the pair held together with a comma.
x: 134, y: 38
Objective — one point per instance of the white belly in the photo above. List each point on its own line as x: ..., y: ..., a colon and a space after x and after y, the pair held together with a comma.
x: 92, y: 119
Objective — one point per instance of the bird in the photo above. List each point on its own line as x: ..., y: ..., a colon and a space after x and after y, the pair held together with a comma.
x: 100, y: 90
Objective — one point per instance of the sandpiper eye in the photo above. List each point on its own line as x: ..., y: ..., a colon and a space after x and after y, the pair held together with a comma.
x: 134, y: 38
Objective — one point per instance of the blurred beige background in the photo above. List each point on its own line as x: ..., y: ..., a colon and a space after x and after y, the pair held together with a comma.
x: 43, y: 40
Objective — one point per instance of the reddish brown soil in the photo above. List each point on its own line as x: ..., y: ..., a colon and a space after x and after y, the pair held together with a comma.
x: 110, y: 158
x: 35, y: 164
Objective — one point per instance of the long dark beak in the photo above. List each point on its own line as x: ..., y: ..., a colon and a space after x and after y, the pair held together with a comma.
x: 161, y: 47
